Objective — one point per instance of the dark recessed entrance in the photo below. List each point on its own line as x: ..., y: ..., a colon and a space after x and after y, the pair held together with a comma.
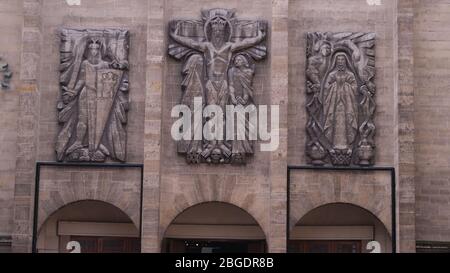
x: 215, y: 246
x: 325, y: 246
x: 214, y: 227
x: 107, y: 244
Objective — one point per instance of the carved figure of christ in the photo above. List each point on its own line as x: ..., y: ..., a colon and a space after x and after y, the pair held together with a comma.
x: 217, y: 55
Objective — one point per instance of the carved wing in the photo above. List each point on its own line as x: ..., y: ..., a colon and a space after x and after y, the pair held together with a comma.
x: 71, y: 57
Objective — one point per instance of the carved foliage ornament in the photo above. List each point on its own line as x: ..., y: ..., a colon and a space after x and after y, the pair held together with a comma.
x: 340, y: 93
x: 94, y: 95
x: 219, y: 54
x: 6, y: 74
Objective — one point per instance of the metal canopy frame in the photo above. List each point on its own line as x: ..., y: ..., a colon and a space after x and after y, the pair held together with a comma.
x: 391, y: 170
x: 86, y: 165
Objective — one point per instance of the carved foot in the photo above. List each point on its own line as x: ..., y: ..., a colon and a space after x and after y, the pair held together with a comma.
x: 98, y: 156
x: 193, y: 158
x: 225, y: 150
x: 207, y: 151
x: 238, y: 158
x: 76, y: 146
x: 85, y: 155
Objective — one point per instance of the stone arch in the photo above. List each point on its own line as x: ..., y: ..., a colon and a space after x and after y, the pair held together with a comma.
x: 370, y: 191
x: 52, y: 206
x: 81, y: 201
x: 311, y: 206
x: 186, y: 209
x: 343, y: 221
x: 86, y: 218
x: 198, y: 189
x: 62, y: 186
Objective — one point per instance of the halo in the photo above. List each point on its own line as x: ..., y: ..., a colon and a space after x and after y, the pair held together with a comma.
x: 208, y: 22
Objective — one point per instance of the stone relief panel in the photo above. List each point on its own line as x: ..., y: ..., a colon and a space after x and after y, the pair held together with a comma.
x: 218, y: 54
x: 6, y: 74
x: 340, y: 92
x: 94, y: 95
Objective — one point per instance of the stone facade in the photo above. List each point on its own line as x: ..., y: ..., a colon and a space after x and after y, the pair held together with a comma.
x: 431, y: 55
x: 412, y: 55
x: 61, y: 186
x: 11, y: 13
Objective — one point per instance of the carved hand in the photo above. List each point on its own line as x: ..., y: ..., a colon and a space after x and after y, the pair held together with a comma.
x: 176, y: 30
x: 244, y: 100
x: 119, y: 65
x: 313, y: 88
x: 233, y: 100
x: 68, y: 95
x: 261, y: 29
x: 365, y: 91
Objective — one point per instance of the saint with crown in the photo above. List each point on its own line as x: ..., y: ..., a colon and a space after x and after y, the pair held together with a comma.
x: 94, y: 86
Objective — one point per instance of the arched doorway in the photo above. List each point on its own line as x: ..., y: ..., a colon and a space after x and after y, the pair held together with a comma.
x: 339, y: 228
x: 97, y: 226
x: 214, y: 227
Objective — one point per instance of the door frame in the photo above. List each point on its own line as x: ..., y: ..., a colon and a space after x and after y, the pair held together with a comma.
x: 75, y: 165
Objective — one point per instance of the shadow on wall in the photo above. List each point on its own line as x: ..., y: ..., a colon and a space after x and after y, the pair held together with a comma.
x: 338, y: 227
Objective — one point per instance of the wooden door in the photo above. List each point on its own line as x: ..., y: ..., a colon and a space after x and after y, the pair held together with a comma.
x: 325, y: 246
x: 107, y: 244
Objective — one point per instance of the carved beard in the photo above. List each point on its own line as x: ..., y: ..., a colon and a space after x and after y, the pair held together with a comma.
x: 218, y: 36
x: 341, y: 67
x: 94, y: 59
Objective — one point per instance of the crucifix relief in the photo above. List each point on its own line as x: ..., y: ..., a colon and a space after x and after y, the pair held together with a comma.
x: 219, y: 54
x: 94, y: 95
x: 340, y: 93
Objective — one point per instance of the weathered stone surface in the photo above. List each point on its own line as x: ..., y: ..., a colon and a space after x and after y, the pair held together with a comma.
x: 412, y: 54
x: 312, y: 189
x: 219, y: 53
x: 94, y: 95
x: 6, y: 74
x: 340, y: 87
x: 60, y: 186
x: 10, y: 50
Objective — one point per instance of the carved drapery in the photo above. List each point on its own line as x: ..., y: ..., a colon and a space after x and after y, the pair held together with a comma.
x: 340, y: 92
x: 5, y: 73
x: 94, y: 102
x: 219, y: 54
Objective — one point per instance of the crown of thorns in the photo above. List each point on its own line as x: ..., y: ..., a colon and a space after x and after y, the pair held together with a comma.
x: 94, y: 43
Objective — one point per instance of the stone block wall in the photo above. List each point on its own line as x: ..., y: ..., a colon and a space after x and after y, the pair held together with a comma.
x: 432, y: 109
x: 11, y: 14
x: 254, y: 187
x: 61, y: 186
x: 368, y: 190
x: 412, y: 56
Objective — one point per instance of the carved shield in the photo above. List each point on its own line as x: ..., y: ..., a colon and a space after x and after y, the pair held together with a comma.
x: 108, y: 81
